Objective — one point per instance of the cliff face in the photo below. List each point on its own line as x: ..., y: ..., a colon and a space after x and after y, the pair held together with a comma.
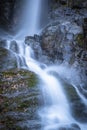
x: 9, y: 13
x: 6, y: 12
x: 71, y: 3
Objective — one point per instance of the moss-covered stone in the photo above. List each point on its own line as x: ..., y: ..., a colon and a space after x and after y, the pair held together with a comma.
x: 80, y: 40
x: 19, y: 98
x: 17, y: 78
x: 77, y: 106
x: 7, y: 59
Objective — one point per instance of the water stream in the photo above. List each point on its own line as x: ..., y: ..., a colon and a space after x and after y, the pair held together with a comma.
x: 31, y: 19
x: 56, y: 110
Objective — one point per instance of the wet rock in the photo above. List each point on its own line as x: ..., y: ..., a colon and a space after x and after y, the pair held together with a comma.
x: 10, y: 10
x: 34, y: 43
x: 77, y: 105
x: 51, y: 42
x: 3, y: 43
x: 57, y: 41
x: 63, y: 2
x: 19, y: 99
x: 70, y: 127
x: 75, y: 126
x: 76, y: 4
x: 63, y: 39
x: 85, y: 32
x: 14, y: 46
x: 8, y: 60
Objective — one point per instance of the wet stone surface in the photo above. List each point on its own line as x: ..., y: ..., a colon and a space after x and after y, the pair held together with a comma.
x: 19, y: 100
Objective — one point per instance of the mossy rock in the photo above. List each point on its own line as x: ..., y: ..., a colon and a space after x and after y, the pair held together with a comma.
x: 80, y: 40
x: 79, y: 109
x: 7, y: 59
x: 19, y: 98
x: 18, y: 78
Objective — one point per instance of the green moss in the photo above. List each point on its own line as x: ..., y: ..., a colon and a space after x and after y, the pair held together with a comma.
x: 20, y: 87
x: 80, y: 40
x: 18, y: 78
x: 3, y: 52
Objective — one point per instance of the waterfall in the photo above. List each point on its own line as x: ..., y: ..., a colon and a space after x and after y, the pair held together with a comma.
x: 56, y: 110
x: 31, y: 18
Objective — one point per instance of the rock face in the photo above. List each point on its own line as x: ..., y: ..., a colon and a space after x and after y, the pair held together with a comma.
x: 8, y: 60
x: 51, y: 42
x: 63, y: 39
x: 71, y: 3
x: 34, y: 43
x: 19, y: 100
x: 70, y: 127
x: 10, y: 11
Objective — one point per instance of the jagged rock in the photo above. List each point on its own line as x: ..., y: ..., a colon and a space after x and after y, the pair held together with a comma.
x: 57, y: 40
x: 51, y: 42
x: 14, y: 46
x: 34, y: 43
x: 70, y: 3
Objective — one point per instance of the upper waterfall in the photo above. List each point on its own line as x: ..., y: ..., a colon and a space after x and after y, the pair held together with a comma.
x: 32, y: 18
x: 32, y: 13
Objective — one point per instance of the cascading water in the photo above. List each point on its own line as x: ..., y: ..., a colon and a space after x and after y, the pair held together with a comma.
x: 31, y: 16
x: 55, y: 112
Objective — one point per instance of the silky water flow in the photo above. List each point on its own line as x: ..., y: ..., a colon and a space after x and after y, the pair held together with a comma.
x: 56, y: 111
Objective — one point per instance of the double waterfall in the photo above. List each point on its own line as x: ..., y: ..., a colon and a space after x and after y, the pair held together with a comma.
x: 56, y: 110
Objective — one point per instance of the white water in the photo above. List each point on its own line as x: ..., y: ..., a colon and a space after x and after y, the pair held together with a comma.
x: 31, y: 19
x: 56, y: 111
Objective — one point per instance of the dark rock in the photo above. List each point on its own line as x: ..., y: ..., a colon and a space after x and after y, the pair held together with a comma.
x: 75, y: 126
x: 70, y: 127
x: 63, y: 2
x: 37, y: 38
x: 63, y: 40
x: 19, y: 99
x: 57, y: 41
x: 10, y: 11
x: 51, y: 42
x: 34, y: 43
x: 77, y: 106
x: 85, y: 27
x: 3, y: 43
x: 14, y: 46
x: 8, y: 60
x: 76, y: 4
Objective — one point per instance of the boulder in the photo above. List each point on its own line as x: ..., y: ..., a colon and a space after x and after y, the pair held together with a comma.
x: 70, y: 127
x: 7, y: 59
x: 14, y: 47
x: 20, y: 99
x: 34, y: 43
x: 57, y: 40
